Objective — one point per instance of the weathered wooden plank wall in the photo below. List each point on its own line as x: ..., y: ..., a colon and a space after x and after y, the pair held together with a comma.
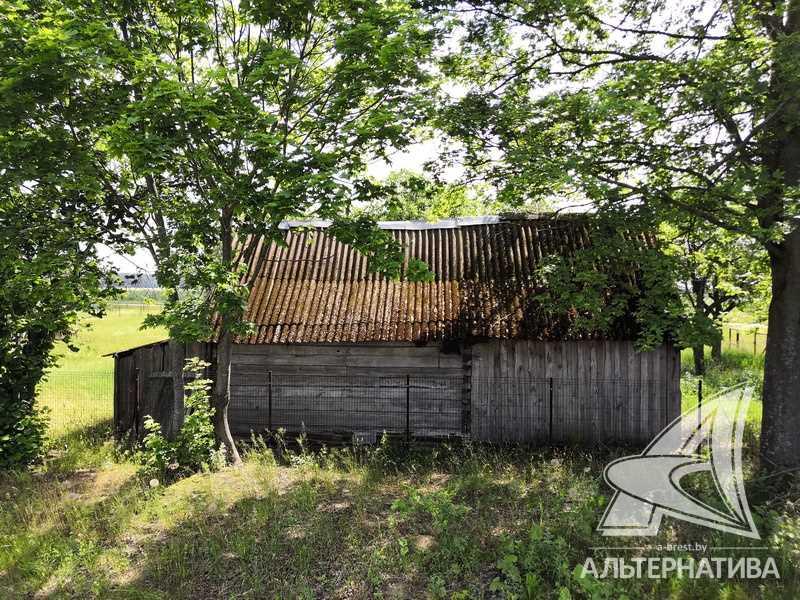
x: 143, y: 385
x: 345, y: 388
x: 496, y: 391
x: 602, y: 391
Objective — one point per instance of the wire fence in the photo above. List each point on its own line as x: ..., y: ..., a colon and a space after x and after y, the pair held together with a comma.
x: 490, y: 409
x: 748, y: 338
x: 362, y: 408
x: 76, y: 400
x: 141, y: 307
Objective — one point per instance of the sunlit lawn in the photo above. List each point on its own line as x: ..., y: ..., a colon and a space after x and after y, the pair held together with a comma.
x: 79, y: 391
x: 118, y: 330
x: 736, y: 368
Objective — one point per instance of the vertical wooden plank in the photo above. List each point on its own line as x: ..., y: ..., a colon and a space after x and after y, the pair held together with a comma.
x: 576, y: 373
x: 549, y: 367
x: 466, y: 390
x: 115, y: 407
x: 500, y: 391
x: 564, y: 397
x: 618, y: 390
x: 632, y: 433
x: 610, y: 366
x: 560, y: 397
x: 623, y: 414
x: 519, y: 399
x: 597, y: 371
x: 477, y: 399
x: 538, y: 369
x: 676, y: 383
x: 577, y: 370
x: 590, y: 411
x: 550, y: 359
x: 613, y: 372
x: 550, y: 372
x: 660, y: 391
x: 533, y: 391
x: 645, y: 362
x: 657, y: 391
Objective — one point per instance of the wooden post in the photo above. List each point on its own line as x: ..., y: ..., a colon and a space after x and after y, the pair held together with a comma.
x: 408, y: 409
x: 269, y: 400
x: 737, y: 340
x: 550, y: 428
x: 755, y: 338
x: 137, y: 410
x: 699, y: 402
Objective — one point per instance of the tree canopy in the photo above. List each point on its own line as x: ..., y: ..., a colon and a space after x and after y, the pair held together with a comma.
x: 690, y: 109
x: 195, y: 128
x: 245, y: 115
x: 56, y: 203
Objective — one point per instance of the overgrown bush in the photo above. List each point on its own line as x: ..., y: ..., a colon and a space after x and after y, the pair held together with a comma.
x: 50, y: 274
x: 534, y: 567
x: 24, y: 360
x: 193, y: 448
x: 22, y: 435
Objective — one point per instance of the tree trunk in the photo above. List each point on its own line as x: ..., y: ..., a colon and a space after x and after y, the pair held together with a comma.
x: 699, y: 290
x: 716, y: 350
x: 780, y: 422
x: 780, y: 426
x: 221, y: 398
x: 699, y: 359
x: 224, y: 347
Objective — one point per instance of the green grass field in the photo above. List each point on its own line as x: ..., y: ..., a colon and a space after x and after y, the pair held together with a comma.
x: 736, y: 367
x: 118, y: 330
x: 79, y: 392
x: 744, y: 338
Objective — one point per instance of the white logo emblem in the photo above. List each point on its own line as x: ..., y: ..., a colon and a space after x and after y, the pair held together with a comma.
x: 648, y: 485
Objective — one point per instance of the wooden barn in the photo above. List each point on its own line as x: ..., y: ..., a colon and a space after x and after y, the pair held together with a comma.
x: 338, y: 350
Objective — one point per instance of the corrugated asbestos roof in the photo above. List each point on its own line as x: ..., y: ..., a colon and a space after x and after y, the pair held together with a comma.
x: 316, y: 289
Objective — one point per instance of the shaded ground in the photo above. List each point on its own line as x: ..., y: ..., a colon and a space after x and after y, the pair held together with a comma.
x: 443, y: 523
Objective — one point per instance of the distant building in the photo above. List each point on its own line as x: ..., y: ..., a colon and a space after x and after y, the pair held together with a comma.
x: 139, y: 281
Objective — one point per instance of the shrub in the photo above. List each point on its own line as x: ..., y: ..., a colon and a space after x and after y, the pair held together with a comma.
x: 193, y: 448
x: 534, y: 567
x: 446, y: 519
x: 22, y: 435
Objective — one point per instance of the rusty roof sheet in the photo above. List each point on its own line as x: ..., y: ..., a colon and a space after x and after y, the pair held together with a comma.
x: 317, y: 289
